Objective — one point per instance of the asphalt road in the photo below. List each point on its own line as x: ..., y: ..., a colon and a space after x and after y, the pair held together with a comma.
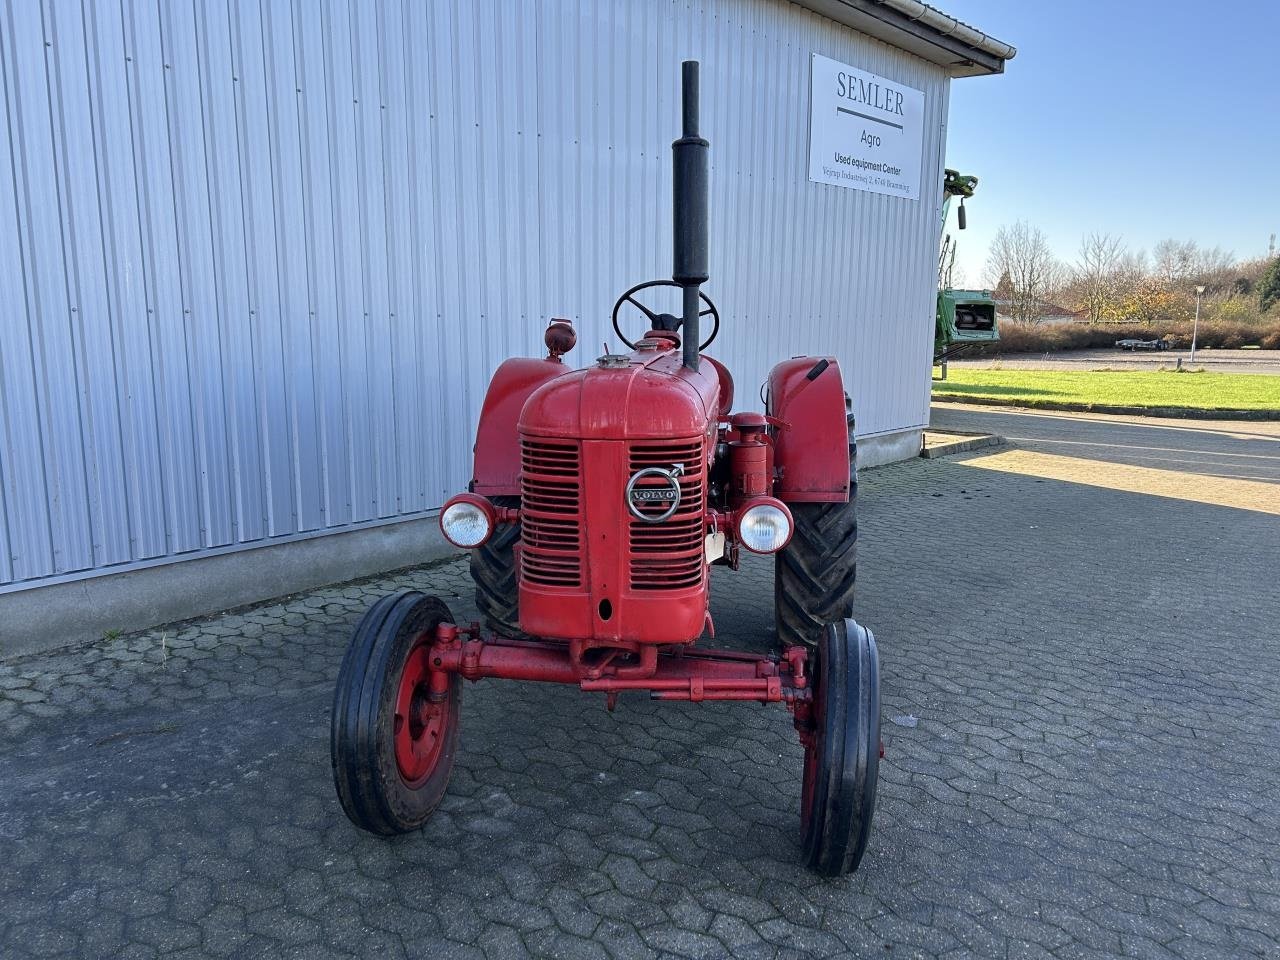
x: 1217, y: 361
x: 1240, y: 449
x: 1081, y: 675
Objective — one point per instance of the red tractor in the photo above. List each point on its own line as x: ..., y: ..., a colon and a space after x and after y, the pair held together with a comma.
x: 601, y: 499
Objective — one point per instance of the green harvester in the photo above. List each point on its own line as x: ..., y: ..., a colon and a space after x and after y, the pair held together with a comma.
x: 964, y: 317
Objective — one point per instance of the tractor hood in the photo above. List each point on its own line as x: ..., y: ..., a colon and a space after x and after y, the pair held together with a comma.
x: 647, y: 394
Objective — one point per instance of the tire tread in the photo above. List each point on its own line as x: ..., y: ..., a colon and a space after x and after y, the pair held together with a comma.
x: 815, y: 574
x: 493, y: 570
x: 843, y: 802
x: 361, y: 754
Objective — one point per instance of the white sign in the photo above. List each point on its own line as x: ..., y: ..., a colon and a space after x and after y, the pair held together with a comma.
x: 865, y: 132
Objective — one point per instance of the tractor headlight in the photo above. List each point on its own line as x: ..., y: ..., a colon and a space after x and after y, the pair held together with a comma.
x: 765, y: 526
x: 467, y: 520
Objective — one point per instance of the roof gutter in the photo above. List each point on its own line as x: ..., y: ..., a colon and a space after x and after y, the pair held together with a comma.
x: 922, y: 30
x: 950, y: 27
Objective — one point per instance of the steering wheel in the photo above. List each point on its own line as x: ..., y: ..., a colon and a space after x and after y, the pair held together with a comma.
x: 630, y: 297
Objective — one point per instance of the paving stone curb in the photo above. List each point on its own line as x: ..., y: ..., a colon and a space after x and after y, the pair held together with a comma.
x: 975, y: 441
x: 1181, y: 413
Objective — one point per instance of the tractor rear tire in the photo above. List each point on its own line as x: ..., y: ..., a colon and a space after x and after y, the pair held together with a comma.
x: 392, y: 744
x: 813, y: 576
x: 842, y: 761
x: 493, y: 569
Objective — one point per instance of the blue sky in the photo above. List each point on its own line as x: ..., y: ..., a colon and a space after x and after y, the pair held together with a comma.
x: 1143, y: 119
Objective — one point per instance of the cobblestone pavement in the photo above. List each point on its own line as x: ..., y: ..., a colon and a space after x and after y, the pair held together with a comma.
x: 1081, y: 701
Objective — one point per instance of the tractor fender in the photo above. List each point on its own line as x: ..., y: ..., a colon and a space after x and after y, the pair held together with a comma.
x: 497, y: 451
x: 726, y: 385
x: 811, y: 444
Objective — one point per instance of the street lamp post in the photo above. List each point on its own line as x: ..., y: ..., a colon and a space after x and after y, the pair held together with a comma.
x: 1195, y: 327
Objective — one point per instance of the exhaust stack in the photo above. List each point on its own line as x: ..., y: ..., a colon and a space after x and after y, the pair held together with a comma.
x: 690, y: 202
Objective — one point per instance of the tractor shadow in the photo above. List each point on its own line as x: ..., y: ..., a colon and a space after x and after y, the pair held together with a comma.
x: 742, y: 606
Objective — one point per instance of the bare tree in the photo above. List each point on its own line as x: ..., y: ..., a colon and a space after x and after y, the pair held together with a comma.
x: 1096, y: 275
x: 1175, y: 261
x: 1216, y: 260
x: 1181, y: 263
x: 1020, y: 254
x: 1131, y: 273
x: 1215, y: 268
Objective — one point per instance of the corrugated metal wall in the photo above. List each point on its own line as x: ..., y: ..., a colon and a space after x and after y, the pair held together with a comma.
x: 259, y: 259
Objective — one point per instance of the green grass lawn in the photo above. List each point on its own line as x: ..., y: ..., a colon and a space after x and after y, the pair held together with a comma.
x: 1208, y: 391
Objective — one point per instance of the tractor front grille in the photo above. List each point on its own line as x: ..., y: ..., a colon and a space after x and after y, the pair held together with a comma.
x: 669, y: 555
x: 550, y: 512
x: 663, y: 556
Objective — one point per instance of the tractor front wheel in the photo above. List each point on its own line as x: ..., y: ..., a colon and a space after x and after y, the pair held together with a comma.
x: 392, y: 740
x: 842, y: 757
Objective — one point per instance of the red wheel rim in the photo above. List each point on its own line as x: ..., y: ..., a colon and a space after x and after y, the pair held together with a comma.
x: 420, y: 724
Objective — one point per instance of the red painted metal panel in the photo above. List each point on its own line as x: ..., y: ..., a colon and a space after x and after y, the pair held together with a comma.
x: 697, y: 675
x: 811, y: 451
x: 589, y: 569
x: 653, y: 396
x: 726, y: 384
x: 497, y: 449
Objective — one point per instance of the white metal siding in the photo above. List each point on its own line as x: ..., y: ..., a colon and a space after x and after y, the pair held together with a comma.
x: 259, y: 259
